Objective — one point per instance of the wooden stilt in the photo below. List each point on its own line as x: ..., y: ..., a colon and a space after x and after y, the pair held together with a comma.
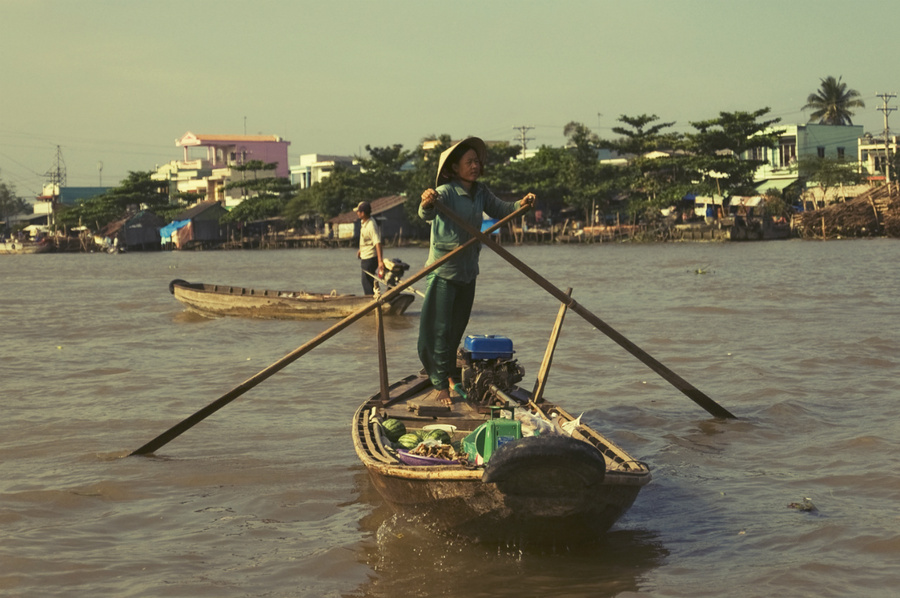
x: 541, y: 382
x: 382, y: 353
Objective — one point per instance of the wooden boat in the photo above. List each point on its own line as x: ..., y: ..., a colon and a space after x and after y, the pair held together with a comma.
x: 17, y: 247
x: 214, y: 300
x: 564, y: 487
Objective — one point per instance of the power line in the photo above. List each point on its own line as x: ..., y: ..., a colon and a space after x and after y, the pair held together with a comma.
x: 11, y: 159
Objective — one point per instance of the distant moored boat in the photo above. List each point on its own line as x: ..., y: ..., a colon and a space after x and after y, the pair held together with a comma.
x: 215, y: 300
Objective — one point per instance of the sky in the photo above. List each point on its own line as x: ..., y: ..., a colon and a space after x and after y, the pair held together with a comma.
x: 113, y: 83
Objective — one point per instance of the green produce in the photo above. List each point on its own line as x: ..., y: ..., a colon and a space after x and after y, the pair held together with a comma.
x: 393, y: 429
x: 438, y: 434
x: 408, y: 441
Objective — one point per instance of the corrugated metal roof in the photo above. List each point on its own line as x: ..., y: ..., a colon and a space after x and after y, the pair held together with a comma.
x: 197, y: 209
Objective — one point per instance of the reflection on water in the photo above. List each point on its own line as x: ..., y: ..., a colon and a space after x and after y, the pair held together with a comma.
x: 409, y: 560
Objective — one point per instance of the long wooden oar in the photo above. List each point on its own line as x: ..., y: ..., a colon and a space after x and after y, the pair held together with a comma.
x: 677, y: 381
x: 189, y: 422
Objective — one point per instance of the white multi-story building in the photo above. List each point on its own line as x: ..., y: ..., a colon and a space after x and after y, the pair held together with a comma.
x: 314, y: 168
x: 872, y: 152
x: 838, y: 142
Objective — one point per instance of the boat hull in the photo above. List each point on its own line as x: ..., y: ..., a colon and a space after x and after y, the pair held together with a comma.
x: 19, y: 247
x: 482, y: 512
x: 557, y: 495
x: 212, y: 300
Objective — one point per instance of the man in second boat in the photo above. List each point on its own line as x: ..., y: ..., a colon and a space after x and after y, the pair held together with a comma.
x: 371, y: 260
x: 450, y: 288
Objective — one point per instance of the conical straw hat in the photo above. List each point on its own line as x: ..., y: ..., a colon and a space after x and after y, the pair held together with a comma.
x: 461, y: 146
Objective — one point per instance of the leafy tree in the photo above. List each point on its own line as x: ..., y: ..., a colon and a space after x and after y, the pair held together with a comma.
x: 646, y: 180
x: 777, y: 203
x: 10, y: 203
x: 499, y: 154
x: 134, y: 193
x: 581, y: 142
x: 539, y: 174
x: 388, y: 159
x: 716, y: 150
x: 828, y: 173
x: 640, y: 139
x: 713, y: 159
x: 255, y: 166
x: 249, y: 187
x: 337, y: 193
x: 268, y: 198
x: 832, y: 104
x: 380, y: 175
x: 580, y: 171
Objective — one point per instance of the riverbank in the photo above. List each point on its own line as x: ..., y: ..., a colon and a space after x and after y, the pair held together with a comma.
x: 874, y: 214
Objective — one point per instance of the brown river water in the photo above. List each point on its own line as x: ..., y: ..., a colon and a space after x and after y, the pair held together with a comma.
x: 267, y: 498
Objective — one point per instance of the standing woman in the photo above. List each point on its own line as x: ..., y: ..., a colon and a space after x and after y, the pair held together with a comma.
x: 450, y: 288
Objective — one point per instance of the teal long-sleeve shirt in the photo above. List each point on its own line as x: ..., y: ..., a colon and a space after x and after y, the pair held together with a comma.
x: 447, y: 236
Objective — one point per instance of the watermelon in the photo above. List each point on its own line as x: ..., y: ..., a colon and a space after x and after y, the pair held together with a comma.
x: 393, y: 429
x: 408, y: 441
x: 437, y: 434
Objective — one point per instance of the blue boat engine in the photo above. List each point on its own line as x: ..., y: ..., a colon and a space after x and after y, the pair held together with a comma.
x: 488, y: 360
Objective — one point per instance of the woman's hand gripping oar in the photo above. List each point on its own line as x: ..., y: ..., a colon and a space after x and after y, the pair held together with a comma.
x: 189, y: 422
x: 674, y: 379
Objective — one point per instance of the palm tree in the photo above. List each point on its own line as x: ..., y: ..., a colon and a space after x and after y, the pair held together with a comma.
x: 833, y: 102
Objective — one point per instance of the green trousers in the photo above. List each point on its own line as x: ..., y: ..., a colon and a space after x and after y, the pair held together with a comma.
x: 442, y: 323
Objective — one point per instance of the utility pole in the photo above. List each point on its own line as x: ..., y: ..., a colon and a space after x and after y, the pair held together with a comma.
x: 887, y: 150
x: 524, y: 140
x: 57, y: 175
x: 57, y: 178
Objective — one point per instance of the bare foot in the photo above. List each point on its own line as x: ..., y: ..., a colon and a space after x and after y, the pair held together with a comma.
x: 443, y: 397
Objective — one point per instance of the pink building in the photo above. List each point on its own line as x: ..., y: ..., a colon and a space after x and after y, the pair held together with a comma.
x: 211, y: 163
x: 233, y: 150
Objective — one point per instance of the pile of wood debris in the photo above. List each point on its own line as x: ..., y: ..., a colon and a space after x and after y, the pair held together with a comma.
x: 873, y: 214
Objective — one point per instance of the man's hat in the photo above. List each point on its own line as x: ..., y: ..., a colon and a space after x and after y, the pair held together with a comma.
x: 459, y: 147
x: 364, y: 206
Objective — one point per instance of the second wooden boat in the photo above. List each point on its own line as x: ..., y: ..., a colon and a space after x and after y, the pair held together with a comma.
x: 215, y: 300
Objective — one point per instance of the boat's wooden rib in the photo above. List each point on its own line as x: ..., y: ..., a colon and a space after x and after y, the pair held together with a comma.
x: 214, y: 300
